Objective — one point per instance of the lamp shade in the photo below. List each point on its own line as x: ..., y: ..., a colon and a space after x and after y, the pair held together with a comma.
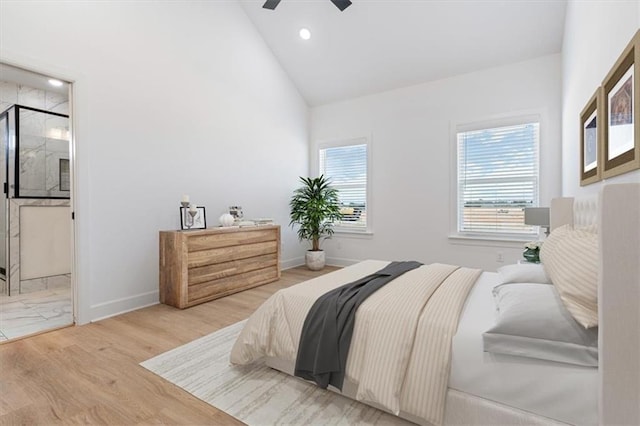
x: 538, y: 216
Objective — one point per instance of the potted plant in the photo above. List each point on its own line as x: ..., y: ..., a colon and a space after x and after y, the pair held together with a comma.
x: 315, y: 207
x: 532, y: 251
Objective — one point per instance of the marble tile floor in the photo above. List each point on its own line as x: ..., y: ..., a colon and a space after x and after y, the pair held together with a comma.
x: 30, y: 313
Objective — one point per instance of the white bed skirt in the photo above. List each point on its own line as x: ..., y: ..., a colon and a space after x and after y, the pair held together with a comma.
x: 465, y: 409
x: 461, y: 408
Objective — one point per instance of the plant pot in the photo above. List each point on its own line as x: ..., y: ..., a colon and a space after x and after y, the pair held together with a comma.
x: 315, y: 260
x: 532, y: 255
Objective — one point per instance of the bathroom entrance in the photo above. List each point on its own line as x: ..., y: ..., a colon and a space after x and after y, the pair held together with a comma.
x: 35, y: 209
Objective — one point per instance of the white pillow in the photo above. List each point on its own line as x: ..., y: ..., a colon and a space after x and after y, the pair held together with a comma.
x: 533, y: 322
x: 570, y: 258
x: 523, y: 273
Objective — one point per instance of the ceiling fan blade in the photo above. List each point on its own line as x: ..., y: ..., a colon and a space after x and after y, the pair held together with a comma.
x: 341, y: 4
x: 271, y: 4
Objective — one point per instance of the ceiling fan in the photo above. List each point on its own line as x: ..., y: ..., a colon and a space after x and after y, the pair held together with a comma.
x: 340, y: 4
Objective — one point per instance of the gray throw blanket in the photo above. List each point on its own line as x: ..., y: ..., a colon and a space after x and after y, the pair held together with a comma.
x: 328, y: 327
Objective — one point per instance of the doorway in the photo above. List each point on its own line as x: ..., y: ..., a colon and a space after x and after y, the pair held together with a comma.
x: 35, y: 207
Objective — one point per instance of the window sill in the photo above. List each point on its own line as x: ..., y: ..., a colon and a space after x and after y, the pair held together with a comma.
x: 491, y: 240
x: 352, y: 233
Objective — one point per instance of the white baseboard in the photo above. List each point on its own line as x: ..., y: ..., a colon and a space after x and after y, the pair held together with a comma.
x: 339, y: 261
x: 112, y: 308
x: 331, y: 261
x: 291, y: 263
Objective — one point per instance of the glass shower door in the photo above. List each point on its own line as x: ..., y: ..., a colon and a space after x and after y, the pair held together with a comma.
x: 4, y: 142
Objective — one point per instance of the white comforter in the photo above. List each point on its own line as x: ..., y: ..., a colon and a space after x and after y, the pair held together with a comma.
x: 401, y: 347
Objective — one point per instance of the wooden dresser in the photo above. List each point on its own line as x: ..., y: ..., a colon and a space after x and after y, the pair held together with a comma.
x: 201, y: 265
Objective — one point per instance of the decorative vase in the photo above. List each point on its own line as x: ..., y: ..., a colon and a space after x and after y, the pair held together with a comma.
x: 226, y: 220
x: 531, y: 255
x: 315, y: 260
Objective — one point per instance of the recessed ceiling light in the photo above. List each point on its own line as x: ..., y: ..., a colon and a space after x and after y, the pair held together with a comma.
x: 305, y: 34
x: 54, y: 82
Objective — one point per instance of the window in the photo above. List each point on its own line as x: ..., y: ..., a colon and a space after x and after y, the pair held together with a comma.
x: 345, y: 164
x: 497, y: 179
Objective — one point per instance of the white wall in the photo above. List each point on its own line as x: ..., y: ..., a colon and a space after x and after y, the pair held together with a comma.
x: 170, y: 98
x: 411, y: 147
x: 596, y: 32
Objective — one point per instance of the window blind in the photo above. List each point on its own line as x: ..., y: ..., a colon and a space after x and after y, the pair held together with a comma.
x: 346, y: 167
x: 497, y: 179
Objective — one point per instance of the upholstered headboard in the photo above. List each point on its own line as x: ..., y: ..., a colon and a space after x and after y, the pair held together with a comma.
x: 619, y: 304
x: 585, y: 211
x: 578, y: 212
x: 616, y: 211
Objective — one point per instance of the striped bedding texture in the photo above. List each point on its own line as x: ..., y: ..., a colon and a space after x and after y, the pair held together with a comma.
x: 570, y: 258
x: 401, y: 348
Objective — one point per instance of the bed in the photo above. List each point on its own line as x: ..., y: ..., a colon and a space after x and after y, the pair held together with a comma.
x: 500, y: 388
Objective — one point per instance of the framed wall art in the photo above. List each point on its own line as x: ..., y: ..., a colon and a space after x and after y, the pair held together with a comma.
x: 197, y: 220
x: 620, y: 148
x: 591, y: 127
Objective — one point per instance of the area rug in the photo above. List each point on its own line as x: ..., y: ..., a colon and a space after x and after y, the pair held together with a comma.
x: 257, y: 395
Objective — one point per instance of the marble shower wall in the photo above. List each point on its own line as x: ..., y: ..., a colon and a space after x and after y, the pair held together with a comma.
x: 44, y: 150
x: 12, y: 93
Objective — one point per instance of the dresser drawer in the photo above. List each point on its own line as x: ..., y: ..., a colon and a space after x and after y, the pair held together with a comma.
x: 198, y: 293
x: 207, y: 242
x: 225, y: 254
x: 216, y: 271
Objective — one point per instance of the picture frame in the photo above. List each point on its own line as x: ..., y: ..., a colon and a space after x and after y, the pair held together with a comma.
x: 199, y: 220
x: 591, y: 129
x: 621, y: 130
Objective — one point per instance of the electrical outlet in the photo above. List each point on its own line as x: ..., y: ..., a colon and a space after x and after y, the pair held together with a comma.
x: 499, y: 257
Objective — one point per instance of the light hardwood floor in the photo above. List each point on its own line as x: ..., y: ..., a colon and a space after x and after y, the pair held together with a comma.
x: 90, y: 374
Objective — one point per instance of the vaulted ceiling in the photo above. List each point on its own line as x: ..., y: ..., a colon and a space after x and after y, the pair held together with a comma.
x: 378, y: 45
